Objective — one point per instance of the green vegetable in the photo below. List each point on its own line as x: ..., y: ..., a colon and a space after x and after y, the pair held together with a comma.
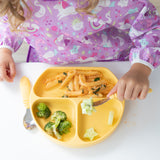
x: 87, y: 106
x: 41, y: 107
x: 103, y: 85
x: 97, y: 79
x: 59, y: 125
x: 59, y: 81
x: 95, y: 92
x: 90, y: 134
x: 110, y: 118
x: 56, y: 133
x: 65, y: 73
x: 49, y: 128
x: 59, y: 115
x: 43, y: 111
x: 64, y: 127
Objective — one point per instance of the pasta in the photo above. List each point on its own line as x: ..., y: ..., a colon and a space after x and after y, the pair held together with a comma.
x: 80, y: 83
x: 51, y: 84
x: 71, y: 85
x: 68, y: 78
x: 76, y: 82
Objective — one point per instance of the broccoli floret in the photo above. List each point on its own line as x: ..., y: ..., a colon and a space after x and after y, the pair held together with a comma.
x: 59, y: 125
x: 41, y: 107
x: 64, y: 127
x: 59, y: 115
x: 49, y: 128
x: 56, y: 133
x: 43, y: 111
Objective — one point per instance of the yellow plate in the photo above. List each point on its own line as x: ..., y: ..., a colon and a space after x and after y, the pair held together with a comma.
x: 71, y: 106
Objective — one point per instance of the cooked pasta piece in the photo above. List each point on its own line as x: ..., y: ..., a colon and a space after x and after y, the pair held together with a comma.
x: 68, y: 78
x: 51, y: 84
x: 89, y: 84
x: 88, y: 73
x: 76, y: 82
x: 71, y: 85
x: 74, y: 93
x: 61, y: 76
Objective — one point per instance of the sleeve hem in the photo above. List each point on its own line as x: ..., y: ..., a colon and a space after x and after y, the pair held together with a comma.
x: 143, y: 62
x: 8, y: 47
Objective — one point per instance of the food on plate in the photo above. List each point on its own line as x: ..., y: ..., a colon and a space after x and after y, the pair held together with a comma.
x: 56, y: 133
x: 80, y: 83
x: 87, y: 106
x: 90, y: 134
x: 58, y: 125
x: 68, y: 78
x: 110, y: 118
x: 64, y: 127
x: 58, y: 117
x: 49, y: 128
x: 43, y: 110
x: 52, y: 82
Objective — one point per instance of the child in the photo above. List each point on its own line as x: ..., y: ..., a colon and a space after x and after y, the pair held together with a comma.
x: 75, y: 31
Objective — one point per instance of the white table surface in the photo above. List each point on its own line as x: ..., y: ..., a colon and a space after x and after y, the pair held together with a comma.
x: 136, y: 138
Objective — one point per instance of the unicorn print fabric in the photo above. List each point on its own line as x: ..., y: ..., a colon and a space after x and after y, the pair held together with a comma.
x: 122, y: 30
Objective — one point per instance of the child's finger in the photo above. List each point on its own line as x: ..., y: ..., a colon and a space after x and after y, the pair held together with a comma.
x: 12, y: 68
x: 114, y: 90
x: 121, y: 91
x: 128, y: 92
x: 1, y: 78
x: 136, y: 93
x: 143, y: 93
x: 3, y: 73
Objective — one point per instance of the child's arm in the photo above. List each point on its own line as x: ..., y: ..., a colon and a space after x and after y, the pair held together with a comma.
x: 145, y: 35
x: 9, y: 43
x: 145, y: 56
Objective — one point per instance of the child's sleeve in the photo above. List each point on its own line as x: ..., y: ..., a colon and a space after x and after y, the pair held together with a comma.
x: 145, y: 35
x: 9, y: 39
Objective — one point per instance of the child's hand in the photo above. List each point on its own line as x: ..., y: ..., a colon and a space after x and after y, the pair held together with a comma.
x: 7, y: 65
x: 134, y: 84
